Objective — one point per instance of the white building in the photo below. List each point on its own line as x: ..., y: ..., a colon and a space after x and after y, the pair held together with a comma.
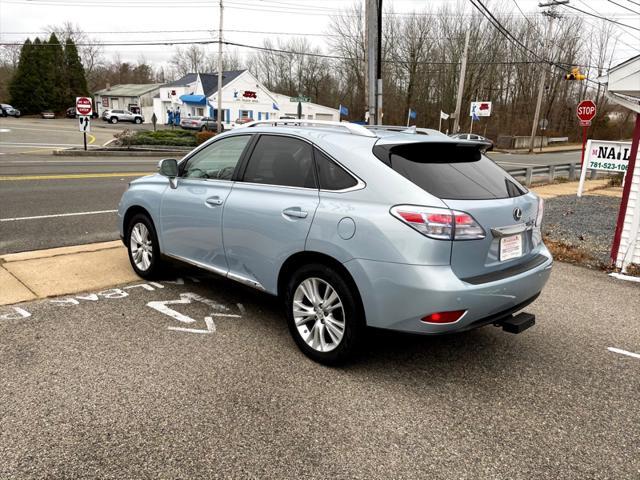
x: 243, y: 96
x: 138, y: 98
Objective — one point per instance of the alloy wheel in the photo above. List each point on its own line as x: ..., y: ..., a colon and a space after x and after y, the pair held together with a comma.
x: 141, y: 246
x: 319, y: 314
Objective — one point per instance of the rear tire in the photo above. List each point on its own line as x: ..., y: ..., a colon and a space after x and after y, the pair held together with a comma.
x: 113, y: 120
x: 138, y: 120
x: 324, y: 314
x: 143, y: 248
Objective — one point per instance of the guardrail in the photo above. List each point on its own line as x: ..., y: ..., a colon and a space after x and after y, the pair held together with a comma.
x: 571, y: 171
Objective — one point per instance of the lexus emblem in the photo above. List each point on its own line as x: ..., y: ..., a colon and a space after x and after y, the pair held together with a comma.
x: 517, y: 214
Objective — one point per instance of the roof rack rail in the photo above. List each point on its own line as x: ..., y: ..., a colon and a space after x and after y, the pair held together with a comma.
x: 353, y: 128
x: 405, y: 129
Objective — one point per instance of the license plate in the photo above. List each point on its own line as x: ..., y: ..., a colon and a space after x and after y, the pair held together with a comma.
x: 510, y: 247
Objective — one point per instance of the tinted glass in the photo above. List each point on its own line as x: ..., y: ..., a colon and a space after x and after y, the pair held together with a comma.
x: 330, y: 175
x: 218, y: 160
x: 450, y: 171
x: 281, y: 161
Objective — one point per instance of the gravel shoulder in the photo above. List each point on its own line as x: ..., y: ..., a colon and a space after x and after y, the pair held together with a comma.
x: 583, y: 226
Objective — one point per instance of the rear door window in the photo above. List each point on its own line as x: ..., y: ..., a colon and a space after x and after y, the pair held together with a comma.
x: 450, y: 171
x: 279, y: 160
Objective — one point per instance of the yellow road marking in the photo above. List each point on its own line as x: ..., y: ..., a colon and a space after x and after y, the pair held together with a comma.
x: 72, y: 175
x: 91, y: 138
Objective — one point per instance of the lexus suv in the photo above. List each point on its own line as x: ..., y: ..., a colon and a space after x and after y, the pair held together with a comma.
x: 115, y: 116
x: 351, y: 227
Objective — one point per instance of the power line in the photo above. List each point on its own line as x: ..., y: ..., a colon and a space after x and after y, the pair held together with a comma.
x: 598, y: 16
x: 496, y: 23
x: 622, y: 6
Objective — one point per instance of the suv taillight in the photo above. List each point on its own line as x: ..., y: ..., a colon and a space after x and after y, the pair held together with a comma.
x: 439, y: 223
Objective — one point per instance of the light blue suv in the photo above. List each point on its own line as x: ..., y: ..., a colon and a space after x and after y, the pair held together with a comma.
x: 385, y: 227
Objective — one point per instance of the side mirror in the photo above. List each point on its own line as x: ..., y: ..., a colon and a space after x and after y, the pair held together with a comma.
x: 168, y: 167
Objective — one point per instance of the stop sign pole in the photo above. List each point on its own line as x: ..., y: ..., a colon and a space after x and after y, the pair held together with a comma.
x: 84, y: 107
x: 585, y: 111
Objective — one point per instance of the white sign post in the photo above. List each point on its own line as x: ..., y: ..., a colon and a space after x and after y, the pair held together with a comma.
x: 604, y: 156
x: 84, y: 108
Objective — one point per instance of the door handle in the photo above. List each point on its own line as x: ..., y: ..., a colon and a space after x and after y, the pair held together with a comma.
x: 213, y: 201
x: 295, y: 212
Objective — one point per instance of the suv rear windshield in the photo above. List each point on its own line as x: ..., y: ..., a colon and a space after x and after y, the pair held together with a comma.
x: 449, y: 170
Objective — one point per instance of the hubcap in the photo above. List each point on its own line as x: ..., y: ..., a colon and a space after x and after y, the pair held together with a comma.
x: 141, y: 247
x: 318, y: 314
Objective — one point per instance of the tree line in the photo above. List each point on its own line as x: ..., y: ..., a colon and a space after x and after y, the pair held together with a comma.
x: 48, y: 76
x: 421, y: 55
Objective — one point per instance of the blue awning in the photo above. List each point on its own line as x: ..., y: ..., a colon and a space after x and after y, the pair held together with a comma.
x: 197, y: 99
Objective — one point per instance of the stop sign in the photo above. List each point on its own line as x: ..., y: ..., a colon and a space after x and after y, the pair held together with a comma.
x: 586, y: 110
x: 83, y: 106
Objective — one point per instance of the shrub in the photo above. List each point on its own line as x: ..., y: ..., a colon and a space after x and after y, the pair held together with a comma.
x: 179, y: 138
x: 202, y: 137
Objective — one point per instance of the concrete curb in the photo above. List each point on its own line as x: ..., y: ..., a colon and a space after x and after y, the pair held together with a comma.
x: 568, y: 148
x: 117, y: 153
x: 40, y: 274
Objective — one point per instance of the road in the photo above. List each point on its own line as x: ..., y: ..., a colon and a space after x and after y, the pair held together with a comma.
x: 43, y: 185
x: 105, y: 387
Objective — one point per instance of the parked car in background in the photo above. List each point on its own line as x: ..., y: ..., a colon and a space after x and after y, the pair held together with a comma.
x: 71, y: 113
x: 9, y: 111
x: 241, y: 121
x: 115, y: 116
x: 48, y: 114
x: 350, y: 227
x: 487, y: 145
x: 200, y: 123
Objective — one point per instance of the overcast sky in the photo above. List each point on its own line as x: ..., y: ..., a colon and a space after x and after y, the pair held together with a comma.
x: 22, y: 18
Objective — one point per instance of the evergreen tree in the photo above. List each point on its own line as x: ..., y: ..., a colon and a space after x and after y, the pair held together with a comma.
x: 58, y: 88
x: 76, y: 80
x: 26, y: 89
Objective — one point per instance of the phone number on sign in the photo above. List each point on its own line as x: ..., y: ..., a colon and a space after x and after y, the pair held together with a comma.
x: 618, y: 167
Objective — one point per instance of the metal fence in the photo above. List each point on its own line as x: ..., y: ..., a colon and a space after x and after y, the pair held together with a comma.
x: 548, y: 173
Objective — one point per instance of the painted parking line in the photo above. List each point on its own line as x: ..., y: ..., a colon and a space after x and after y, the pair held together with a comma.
x: 56, y: 215
x: 68, y: 176
x: 623, y: 352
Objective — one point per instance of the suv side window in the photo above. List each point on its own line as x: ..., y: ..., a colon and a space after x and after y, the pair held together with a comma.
x: 330, y: 175
x: 218, y: 160
x: 278, y: 160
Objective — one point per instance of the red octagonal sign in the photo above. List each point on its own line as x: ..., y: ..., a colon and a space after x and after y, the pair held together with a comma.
x: 586, y: 110
x: 83, y: 106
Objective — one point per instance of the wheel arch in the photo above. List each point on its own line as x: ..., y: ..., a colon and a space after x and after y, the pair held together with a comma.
x: 304, y: 258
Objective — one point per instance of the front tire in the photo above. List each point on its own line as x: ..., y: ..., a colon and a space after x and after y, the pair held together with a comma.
x: 138, y: 120
x: 324, y: 314
x: 142, y: 245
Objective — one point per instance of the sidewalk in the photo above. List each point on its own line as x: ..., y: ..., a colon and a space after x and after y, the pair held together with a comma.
x: 60, y: 271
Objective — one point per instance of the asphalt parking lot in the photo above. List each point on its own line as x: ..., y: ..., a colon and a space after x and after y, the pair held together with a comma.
x: 201, y: 380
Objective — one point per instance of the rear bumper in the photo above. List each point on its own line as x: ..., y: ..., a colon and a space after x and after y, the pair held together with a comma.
x: 397, y: 296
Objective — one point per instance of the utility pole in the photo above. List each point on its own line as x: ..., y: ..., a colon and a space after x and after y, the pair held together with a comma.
x: 379, y: 65
x: 463, y: 71
x: 551, y: 15
x: 219, y: 115
x: 371, y: 20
